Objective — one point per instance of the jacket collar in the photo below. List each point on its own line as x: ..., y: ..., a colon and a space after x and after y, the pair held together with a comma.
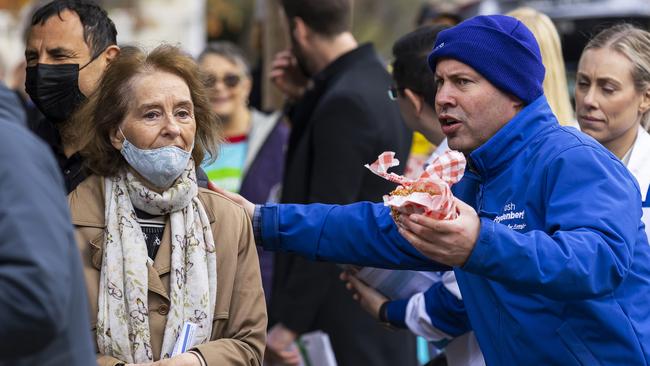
x: 87, y: 203
x: 512, y: 138
x: 639, y: 164
x: 364, y: 51
x: 261, y: 127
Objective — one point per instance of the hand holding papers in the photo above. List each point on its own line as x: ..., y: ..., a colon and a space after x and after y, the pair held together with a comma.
x: 311, y: 349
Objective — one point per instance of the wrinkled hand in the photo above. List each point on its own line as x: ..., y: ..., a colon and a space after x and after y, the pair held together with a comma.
x: 184, y: 359
x: 448, y: 242
x: 248, y: 206
x: 287, y: 76
x: 280, y: 346
x: 369, y: 298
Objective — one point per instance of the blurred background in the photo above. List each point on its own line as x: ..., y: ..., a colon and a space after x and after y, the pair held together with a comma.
x: 257, y: 26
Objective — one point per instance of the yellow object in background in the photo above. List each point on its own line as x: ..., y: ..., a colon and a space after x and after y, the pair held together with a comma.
x: 421, y: 146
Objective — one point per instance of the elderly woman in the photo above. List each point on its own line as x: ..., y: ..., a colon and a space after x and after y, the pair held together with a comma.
x: 160, y: 253
x: 613, y: 99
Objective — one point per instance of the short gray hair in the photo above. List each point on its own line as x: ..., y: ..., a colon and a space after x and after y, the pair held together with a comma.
x: 230, y: 52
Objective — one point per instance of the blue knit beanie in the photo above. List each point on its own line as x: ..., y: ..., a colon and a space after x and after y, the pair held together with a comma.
x: 498, y: 47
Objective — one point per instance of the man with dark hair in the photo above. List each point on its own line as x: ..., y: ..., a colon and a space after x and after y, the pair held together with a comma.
x: 414, y: 88
x: 327, y: 18
x: 43, y: 306
x: 341, y: 118
x: 69, y: 45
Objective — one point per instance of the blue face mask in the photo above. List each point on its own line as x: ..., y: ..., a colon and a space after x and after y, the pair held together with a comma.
x: 159, y: 166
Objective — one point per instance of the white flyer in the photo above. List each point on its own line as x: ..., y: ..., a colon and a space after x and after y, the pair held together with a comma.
x: 185, y: 339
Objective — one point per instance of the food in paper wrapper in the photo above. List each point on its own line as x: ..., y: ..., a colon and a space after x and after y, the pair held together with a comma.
x: 429, y: 194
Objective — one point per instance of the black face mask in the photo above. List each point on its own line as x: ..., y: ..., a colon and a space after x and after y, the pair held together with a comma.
x: 55, y: 89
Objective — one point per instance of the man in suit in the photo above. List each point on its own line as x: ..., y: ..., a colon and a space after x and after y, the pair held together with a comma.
x: 341, y: 118
x: 43, y: 307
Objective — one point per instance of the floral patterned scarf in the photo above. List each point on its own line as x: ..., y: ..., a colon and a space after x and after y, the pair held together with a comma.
x: 123, y: 318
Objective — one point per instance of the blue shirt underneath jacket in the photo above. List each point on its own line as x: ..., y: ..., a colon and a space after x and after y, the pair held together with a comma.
x: 560, y: 274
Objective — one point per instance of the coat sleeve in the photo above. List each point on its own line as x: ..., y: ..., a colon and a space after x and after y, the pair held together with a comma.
x: 361, y: 233
x: 36, y: 246
x: 586, y: 248
x: 243, y: 340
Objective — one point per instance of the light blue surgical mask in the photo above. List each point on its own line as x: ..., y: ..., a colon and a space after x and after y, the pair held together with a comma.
x: 159, y: 166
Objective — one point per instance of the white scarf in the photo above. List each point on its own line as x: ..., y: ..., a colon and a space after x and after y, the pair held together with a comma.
x: 123, y: 317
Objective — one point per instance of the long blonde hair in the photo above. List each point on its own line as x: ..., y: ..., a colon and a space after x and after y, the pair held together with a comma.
x: 555, y: 82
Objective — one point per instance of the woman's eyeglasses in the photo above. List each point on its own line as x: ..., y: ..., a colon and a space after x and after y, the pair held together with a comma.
x: 229, y: 80
x: 393, y: 92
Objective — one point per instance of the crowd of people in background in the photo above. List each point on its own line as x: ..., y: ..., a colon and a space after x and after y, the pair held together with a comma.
x: 150, y: 215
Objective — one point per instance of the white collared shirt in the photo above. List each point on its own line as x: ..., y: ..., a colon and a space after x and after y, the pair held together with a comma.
x: 639, y: 166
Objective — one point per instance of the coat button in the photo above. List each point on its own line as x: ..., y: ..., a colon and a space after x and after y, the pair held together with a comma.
x: 163, y: 309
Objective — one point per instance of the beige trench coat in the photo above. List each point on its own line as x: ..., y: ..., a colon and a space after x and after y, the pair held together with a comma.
x: 239, y: 328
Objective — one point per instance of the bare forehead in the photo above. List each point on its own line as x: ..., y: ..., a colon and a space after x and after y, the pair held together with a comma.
x: 156, y: 86
x: 64, y: 30
x: 606, y: 60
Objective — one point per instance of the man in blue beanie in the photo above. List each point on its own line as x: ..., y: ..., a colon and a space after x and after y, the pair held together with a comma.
x: 549, y: 250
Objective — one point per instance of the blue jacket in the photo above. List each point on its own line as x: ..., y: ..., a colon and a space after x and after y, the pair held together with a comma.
x: 560, y: 274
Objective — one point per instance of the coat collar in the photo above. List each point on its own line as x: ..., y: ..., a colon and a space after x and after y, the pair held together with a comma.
x: 513, y: 137
x: 87, y: 203
x: 336, y: 67
x: 639, y: 164
x: 261, y: 127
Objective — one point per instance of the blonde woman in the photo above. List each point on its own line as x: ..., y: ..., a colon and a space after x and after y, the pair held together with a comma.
x: 555, y: 82
x: 613, y: 99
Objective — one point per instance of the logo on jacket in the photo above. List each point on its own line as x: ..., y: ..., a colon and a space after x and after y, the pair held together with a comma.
x: 514, y: 218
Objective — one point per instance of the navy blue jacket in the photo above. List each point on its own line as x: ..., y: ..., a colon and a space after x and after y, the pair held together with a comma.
x: 560, y: 274
x: 43, y: 305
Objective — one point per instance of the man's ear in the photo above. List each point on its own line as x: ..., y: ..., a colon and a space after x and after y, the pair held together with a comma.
x: 111, y: 53
x: 416, y: 100
x: 300, y: 30
x: 517, y: 103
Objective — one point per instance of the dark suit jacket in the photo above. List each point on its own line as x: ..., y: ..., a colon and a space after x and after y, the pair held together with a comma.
x: 43, y: 305
x: 345, y: 121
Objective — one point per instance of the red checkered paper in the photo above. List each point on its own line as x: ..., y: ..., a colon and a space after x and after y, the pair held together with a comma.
x: 430, y: 194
